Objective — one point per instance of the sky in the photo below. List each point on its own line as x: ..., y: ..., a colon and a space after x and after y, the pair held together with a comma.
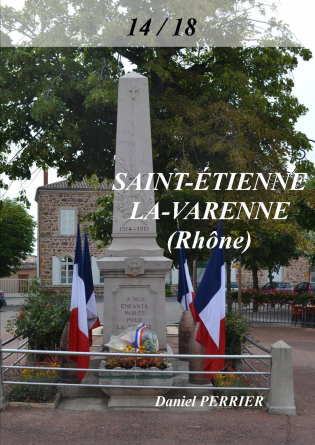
x: 301, y: 25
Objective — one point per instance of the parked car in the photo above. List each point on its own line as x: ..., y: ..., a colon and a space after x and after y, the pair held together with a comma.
x: 305, y: 286
x: 277, y: 286
x: 2, y: 299
x: 234, y: 286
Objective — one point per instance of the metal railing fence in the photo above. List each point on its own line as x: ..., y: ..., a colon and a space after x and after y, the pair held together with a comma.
x: 137, y: 373
x: 134, y: 372
x: 9, y: 340
x: 279, y: 314
x: 245, y: 348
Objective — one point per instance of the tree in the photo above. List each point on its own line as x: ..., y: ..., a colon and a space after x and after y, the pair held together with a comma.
x: 229, y: 108
x: 309, y: 253
x: 274, y: 250
x: 303, y: 209
x: 17, y: 236
x: 65, y: 23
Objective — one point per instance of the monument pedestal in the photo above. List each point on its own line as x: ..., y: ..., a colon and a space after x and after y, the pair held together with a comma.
x: 134, y: 293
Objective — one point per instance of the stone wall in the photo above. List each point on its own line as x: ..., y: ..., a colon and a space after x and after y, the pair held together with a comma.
x: 62, y: 289
x: 50, y: 241
x: 297, y: 271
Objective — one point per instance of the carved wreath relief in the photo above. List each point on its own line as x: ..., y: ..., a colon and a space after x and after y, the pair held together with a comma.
x: 134, y: 266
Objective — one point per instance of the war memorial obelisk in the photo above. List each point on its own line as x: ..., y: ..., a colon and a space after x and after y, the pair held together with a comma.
x: 134, y: 267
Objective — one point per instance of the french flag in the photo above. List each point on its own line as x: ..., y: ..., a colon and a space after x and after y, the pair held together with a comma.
x: 209, y: 304
x: 185, y: 293
x: 138, y: 336
x: 91, y: 309
x: 79, y: 333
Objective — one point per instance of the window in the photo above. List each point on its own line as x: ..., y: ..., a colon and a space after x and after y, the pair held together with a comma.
x: 101, y: 278
x: 66, y: 269
x: 67, y: 222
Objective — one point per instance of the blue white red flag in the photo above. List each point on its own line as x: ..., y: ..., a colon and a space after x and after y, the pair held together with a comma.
x: 209, y: 304
x: 91, y: 309
x: 185, y: 293
x: 79, y: 335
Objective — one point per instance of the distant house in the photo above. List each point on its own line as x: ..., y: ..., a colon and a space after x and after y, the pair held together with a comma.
x: 60, y: 206
x: 17, y: 282
x: 27, y: 270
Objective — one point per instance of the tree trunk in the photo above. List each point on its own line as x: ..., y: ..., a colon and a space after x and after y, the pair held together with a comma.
x: 255, y: 286
x: 270, y: 276
x: 255, y: 277
x: 239, y: 299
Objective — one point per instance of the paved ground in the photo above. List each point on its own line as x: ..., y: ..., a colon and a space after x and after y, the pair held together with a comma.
x: 30, y: 426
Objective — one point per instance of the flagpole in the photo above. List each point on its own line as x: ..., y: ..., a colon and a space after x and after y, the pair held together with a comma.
x: 182, y: 274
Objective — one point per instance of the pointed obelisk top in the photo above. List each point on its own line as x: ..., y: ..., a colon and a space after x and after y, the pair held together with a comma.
x: 132, y: 75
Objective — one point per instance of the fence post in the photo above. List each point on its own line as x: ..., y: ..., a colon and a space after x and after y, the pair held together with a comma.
x: 281, y: 394
x: 1, y: 380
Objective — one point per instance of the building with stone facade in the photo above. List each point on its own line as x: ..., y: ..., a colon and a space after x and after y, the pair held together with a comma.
x: 60, y: 206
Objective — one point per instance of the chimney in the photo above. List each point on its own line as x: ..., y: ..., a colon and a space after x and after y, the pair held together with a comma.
x: 45, y: 176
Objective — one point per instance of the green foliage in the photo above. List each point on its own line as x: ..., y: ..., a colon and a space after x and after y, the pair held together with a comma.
x: 68, y: 117
x: 168, y: 290
x: 235, y: 381
x: 62, y: 23
x: 35, y: 393
x: 274, y: 249
x: 42, y: 318
x: 17, y: 236
x: 101, y: 222
x: 304, y: 208
x: 309, y: 254
x: 235, y: 329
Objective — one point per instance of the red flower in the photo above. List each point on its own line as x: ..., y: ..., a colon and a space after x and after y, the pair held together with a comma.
x: 48, y: 305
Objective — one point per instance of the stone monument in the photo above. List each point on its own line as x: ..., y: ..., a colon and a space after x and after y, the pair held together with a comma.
x: 134, y: 267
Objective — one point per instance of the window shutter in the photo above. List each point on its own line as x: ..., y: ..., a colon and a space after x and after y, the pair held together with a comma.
x: 67, y: 222
x: 71, y: 215
x: 95, y: 271
x: 55, y: 270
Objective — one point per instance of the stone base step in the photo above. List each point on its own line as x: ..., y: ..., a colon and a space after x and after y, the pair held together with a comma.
x: 85, y: 392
